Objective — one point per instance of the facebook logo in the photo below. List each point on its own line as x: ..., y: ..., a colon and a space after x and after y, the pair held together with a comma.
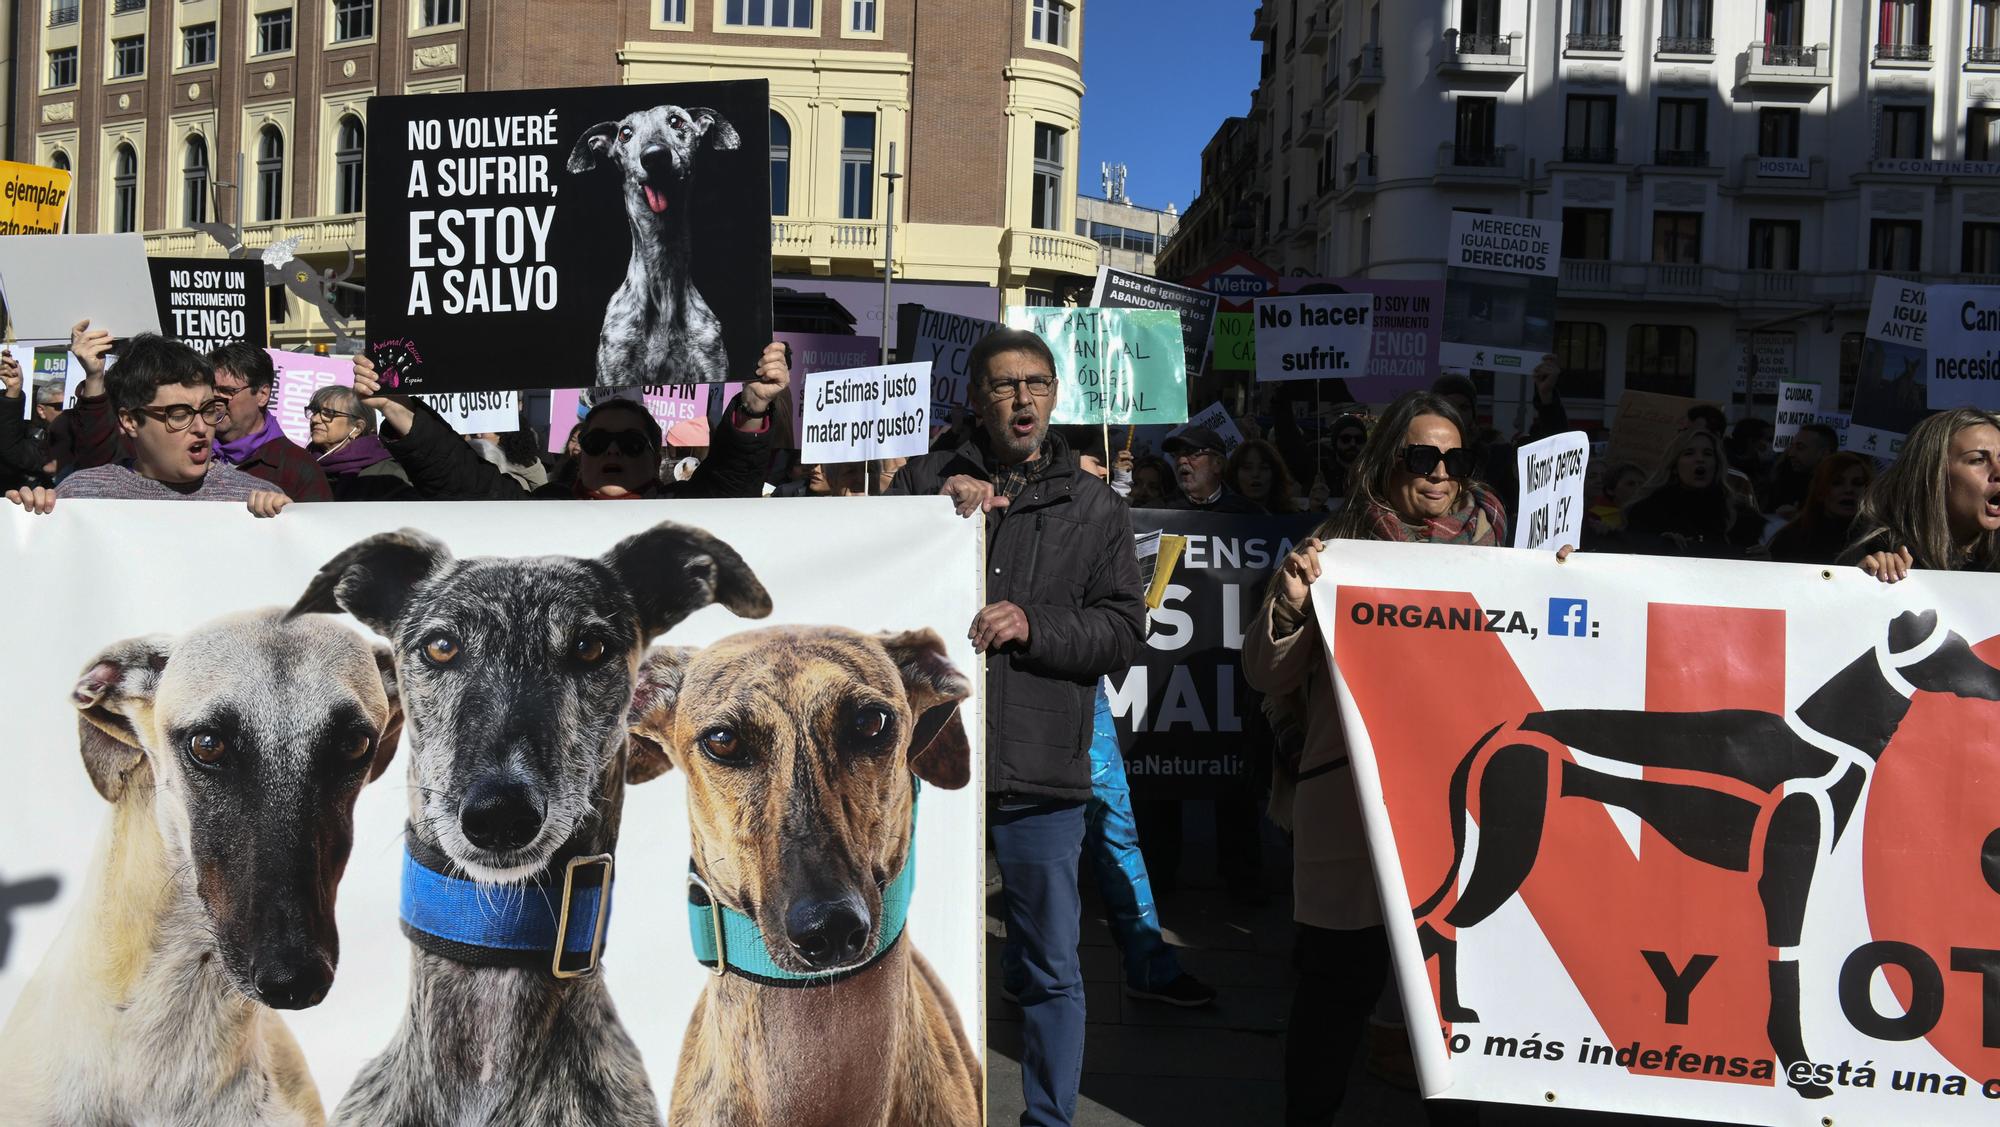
x: 1569, y: 618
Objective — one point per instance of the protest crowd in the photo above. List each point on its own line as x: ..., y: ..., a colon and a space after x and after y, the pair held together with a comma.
x: 1066, y: 606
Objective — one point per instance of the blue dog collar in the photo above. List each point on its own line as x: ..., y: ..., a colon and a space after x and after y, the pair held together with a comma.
x: 728, y: 942
x: 556, y: 922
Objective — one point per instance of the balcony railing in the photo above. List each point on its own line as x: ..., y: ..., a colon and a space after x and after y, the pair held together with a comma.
x: 1364, y: 73
x: 1359, y: 174
x: 1587, y: 41
x: 1478, y: 156
x: 1786, y: 64
x: 127, y: 6
x: 1476, y: 43
x: 1787, y: 54
x: 1989, y: 54
x: 1681, y: 158
x: 63, y: 14
x: 1686, y: 45
x: 1903, y: 52
x: 1590, y: 154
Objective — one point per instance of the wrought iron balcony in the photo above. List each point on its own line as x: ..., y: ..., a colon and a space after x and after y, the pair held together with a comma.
x: 1686, y: 45
x: 1590, y: 154
x: 1903, y: 52
x: 63, y: 14
x: 1681, y: 158
x: 1989, y: 54
x: 1471, y: 43
x: 1786, y: 64
x: 127, y: 6
x: 1477, y: 156
x: 1788, y: 55
x: 1582, y: 41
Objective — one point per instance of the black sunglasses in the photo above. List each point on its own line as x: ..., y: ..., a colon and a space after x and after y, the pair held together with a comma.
x: 631, y: 443
x: 1421, y: 460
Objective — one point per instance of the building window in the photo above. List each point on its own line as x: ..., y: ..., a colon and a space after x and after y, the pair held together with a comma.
x: 1777, y: 133
x: 1687, y: 27
x: 194, y: 181
x: 442, y: 13
x: 118, y: 6
x: 125, y: 190
x: 1985, y: 46
x: 1774, y: 244
x: 1580, y: 349
x: 1896, y: 244
x: 1677, y: 237
x: 1982, y: 135
x: 1683, y: 136
x: 1587, y: 234
x: 857, y: 166
x: 1479, y: 19
x: 1981, y: 251
x: 353, y: 19
x: 1904, y: 136
x: 62, y: 68
x: 1784, y: 24
x: 861, y: 16
x: 63, y: 13
x: 781, y: 165
x: 274, y: 31
x: 1660, y: 359
x: 674, y: 11
x: 1591, y: 136
x: 1046, y: 204
x: 1048, y: 22
x: 768, y: 13
x: 128, y: 56
x: 1593, y: 25
x: 198, y: 45
x: 1475, y: 134
x: 270, y: 174
x: 1905, y: 30
x: 349, y: 152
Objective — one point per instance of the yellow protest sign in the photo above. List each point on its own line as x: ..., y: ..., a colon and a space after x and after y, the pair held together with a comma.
x: 33, y: 199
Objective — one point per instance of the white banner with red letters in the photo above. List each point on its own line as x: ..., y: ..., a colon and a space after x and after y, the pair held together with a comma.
x: 1711, y: 840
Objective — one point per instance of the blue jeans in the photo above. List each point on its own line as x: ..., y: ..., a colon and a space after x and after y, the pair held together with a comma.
x: 1037, y: 846
x: 1111, y: 841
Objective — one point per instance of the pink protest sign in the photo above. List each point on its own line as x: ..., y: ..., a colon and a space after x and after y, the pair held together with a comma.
x: 681, y: 410
x: 299, y: 375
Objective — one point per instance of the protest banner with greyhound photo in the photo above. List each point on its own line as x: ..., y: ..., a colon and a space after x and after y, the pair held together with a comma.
x: 1706, y: 839
x: 603, y: 236
x: 565, y: 711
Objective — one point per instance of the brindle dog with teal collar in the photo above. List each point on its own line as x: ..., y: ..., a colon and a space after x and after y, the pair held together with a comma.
x: 517, y: 676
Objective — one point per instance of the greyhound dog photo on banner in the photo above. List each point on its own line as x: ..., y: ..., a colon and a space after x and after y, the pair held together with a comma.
x: 433, y: 816
x: 608, y: 236
x: 1705, y: 839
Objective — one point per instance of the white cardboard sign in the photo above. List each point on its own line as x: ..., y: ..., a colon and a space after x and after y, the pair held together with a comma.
x: 857, y: 414
x: 1314, y: 336
x: 1798, y: 404
x: 1552, y: 474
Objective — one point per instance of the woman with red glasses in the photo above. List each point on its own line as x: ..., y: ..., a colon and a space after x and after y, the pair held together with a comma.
x: 1412, y: 483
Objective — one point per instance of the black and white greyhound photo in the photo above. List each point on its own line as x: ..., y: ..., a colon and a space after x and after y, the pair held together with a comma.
x: 1813, y: 766
x: 658, y: 329
x: 231, y: 757
x: 517, y: 676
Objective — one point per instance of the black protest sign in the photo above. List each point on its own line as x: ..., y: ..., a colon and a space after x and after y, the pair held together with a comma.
x: 1122, y: 289
x: 1187, y: 720
x: 608, y: 236
x: 944, y: 341
x: 206, y: 303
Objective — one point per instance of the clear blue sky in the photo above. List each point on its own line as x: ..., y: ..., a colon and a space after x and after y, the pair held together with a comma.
x: 1160, y: 76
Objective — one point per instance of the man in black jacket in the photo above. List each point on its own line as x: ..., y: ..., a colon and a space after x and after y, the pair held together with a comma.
x: 1199, y: 457
x: 1064, y: 608
x: 619, y: 442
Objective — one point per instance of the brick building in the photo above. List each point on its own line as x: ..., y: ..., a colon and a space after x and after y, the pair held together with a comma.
x: 152, y: 103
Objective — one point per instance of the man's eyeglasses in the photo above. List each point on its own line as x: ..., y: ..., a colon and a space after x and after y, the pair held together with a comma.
x: 327, y: 414
x: 631, y: 443
x: 1421, y: 460
x: 228, y: 393
x: 180, y: 416
x: 1040, y: 387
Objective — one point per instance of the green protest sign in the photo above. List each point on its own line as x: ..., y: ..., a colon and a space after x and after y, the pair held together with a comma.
x: 1115, y: 366
x: 1235, y: 343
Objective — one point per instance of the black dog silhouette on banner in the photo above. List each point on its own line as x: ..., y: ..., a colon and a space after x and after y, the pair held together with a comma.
x: 1814, y: 765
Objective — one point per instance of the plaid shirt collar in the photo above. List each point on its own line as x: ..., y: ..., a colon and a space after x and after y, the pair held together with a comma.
x: 1009, y: 481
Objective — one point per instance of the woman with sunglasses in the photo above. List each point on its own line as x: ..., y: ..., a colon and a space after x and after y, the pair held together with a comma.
x: 1411, y: 483
x: 342, y: 440
x: 618, y: 446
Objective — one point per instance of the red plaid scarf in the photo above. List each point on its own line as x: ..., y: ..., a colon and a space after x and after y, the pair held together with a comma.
x: 1478, y: 521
